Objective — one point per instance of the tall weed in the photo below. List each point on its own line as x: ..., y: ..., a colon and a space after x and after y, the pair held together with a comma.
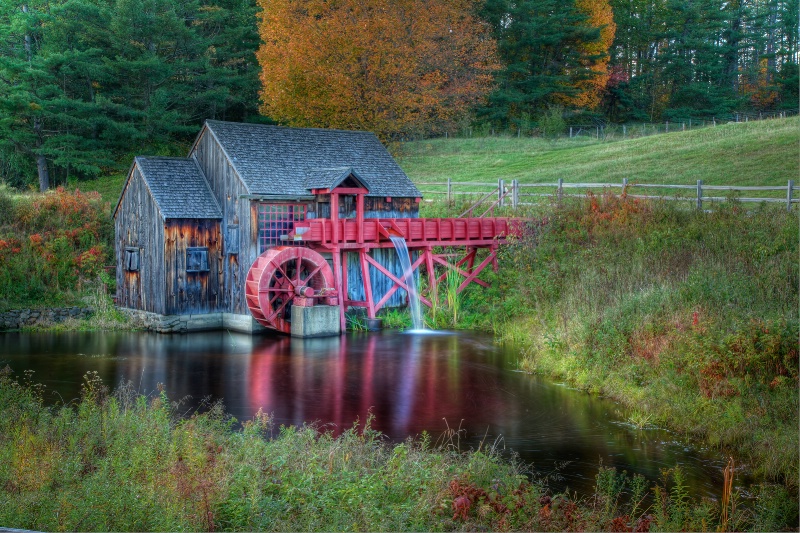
x: 688, y: 317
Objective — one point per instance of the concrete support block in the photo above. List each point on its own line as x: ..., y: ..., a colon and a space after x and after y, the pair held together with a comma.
x: 317, y: 321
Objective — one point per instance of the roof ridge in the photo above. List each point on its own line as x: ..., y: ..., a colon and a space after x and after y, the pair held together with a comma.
x: 278, y: 126
x: 172, y: 157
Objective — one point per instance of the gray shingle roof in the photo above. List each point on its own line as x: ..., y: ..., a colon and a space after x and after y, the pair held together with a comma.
x: 275, y: 160
x: 178, y: 187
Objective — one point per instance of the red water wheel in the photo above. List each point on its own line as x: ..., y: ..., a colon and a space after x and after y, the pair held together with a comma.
x: 280, y: 275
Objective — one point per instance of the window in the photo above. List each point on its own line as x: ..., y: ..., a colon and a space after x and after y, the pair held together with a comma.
x: 275, y: 220
x: 131, y: 259
x: 232, y: 239
x: 197, y: 260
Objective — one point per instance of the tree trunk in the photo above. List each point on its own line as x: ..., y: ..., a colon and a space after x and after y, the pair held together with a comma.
x: 44, y: 174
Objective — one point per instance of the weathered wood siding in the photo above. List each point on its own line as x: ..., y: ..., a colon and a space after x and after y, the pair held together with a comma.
x: 192, y: 292
x: 138, y: 224
x: 377, y: 207
x: 236, y: 217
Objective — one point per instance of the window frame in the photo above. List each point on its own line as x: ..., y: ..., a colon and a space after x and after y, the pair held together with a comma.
x: 274, y: 219
x: 204, y: 263
x: 232, y: 239
x: 129, y: 254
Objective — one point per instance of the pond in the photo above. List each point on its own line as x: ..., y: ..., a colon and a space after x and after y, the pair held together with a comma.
x: 411, y: 383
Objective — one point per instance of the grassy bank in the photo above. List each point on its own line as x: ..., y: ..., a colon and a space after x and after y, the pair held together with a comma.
x: 755, y: 153
x: 124, y: 462
x: 689, y: 319
x: 53, y: 250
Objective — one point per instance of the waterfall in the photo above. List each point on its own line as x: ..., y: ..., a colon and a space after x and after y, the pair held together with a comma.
x: 405, y: 261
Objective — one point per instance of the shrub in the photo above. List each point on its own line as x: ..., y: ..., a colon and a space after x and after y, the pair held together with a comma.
x: 56, y: 242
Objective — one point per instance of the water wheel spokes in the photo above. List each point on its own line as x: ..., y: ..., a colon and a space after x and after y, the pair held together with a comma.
x: 280, y: 275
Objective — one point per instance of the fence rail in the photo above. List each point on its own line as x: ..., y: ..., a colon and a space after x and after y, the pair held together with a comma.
x: 510, y: 193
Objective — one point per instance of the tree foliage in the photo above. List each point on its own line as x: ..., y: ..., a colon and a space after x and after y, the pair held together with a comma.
x: 595, y: 53
x: 543, y: 47
x: 84, y: 81
x: 396, y: 67
x: 685, y: 58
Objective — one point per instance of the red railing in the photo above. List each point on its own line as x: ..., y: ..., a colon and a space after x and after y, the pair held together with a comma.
x: 415, y: 231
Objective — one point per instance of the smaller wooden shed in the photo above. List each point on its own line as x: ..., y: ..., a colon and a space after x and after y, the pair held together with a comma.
x: 168, y: 246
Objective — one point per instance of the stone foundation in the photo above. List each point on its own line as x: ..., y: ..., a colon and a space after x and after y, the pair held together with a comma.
x: 189, y: 323
x: 22, y: 318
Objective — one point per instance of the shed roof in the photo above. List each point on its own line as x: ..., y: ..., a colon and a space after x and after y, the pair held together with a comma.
x: 178, y: 187
x: 282, y: 161
x: 329, y: 178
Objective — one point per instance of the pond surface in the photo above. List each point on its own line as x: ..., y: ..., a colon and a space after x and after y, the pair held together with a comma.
x: 410, y: 383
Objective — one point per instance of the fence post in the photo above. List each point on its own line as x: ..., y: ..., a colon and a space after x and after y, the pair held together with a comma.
x: 514, y: 194
x: 624, y: 185
x: 789, y: 195
x: 699, y: 194
x: 714, y: 119
x: 570, y: 132
x: 624, y: 130
x: 668, y: 126
x: 449, y: 191
x: 501, y: 185
x: 560, y: 189
x: 683, y: 126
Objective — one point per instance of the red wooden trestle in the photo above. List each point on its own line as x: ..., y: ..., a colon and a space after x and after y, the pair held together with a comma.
x: 287, y: 276
x: 422, y: 235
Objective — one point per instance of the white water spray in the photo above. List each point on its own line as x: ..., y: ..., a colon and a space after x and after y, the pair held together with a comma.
x: 408, y: 275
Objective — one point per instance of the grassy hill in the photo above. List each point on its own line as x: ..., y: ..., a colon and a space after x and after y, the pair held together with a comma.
x: 754, y: 153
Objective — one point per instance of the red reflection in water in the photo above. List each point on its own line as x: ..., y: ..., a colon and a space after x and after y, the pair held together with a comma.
x: 403, y: 380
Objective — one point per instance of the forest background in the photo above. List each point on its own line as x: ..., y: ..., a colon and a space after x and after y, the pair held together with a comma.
x: 87, y: 84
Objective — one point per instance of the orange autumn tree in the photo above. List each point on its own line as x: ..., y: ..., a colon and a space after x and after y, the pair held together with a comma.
x: 595, y: 53
x: 394, y: 67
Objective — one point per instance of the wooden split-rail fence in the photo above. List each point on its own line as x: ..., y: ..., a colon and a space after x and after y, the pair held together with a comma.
x: 513, y: 194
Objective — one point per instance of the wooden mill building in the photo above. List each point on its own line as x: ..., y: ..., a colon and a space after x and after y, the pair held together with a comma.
x: 188, y: 229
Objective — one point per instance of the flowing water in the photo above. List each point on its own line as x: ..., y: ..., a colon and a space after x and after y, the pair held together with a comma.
x: 410, y: 383
x: 408, y: 275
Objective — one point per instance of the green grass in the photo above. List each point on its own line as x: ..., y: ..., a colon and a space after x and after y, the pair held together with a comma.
x: 109, y: 187
x: 754, y: 153
x: 687, y: 318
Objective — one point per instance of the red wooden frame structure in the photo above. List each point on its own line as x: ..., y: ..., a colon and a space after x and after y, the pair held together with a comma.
x: 279, y: 278
x: 422, y: 235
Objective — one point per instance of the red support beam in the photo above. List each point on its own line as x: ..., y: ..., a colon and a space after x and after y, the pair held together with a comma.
x: 367, y: 284
x: 463, y: 273
x: 360, y: 218
x: 432, y: 285
x: 398, y: 284
x: 337, y: 274
x: 473, y: 275
x: 334, y: 220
